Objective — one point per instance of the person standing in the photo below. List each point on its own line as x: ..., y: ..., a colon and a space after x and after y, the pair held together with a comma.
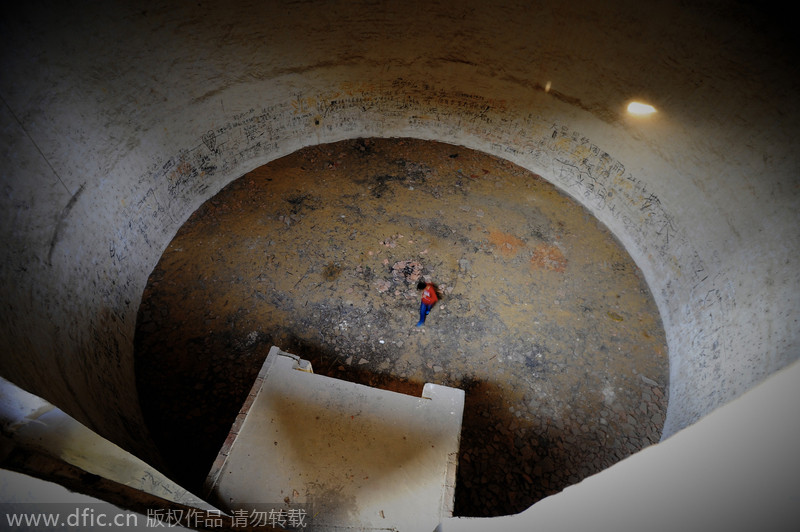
x: 429, y: 298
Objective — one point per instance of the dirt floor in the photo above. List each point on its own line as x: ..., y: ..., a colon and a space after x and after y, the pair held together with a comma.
x: 544, y: 320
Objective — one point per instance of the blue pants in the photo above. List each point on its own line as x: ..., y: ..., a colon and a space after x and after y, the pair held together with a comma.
x: 424, y: 309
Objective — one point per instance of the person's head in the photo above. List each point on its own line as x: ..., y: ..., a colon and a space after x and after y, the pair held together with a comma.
x: 420, y: 285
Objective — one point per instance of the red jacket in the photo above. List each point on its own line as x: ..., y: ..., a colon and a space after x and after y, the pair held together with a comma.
x: 429, y: 296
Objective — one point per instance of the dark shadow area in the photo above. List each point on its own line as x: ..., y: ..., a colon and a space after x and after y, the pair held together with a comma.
x: 509, y: 461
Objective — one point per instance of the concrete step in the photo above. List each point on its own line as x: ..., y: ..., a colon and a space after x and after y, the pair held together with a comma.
x: 339, y: 455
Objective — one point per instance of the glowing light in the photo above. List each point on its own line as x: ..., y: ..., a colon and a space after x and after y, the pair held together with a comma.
x: 638, y: 108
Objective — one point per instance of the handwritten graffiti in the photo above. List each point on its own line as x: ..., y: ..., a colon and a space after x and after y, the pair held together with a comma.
x: 210, y: 140
x: 572, y: 159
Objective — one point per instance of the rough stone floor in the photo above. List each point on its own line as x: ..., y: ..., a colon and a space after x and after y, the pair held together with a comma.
x: 544, y: 320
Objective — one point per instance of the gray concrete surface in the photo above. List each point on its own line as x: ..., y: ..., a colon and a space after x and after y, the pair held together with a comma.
x: 29, y: 423
x: 118, y: 120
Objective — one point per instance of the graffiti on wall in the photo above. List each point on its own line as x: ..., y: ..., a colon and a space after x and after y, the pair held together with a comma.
x: 171, y: 188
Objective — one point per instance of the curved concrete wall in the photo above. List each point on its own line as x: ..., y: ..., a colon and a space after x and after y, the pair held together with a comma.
x: 118, y: 121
